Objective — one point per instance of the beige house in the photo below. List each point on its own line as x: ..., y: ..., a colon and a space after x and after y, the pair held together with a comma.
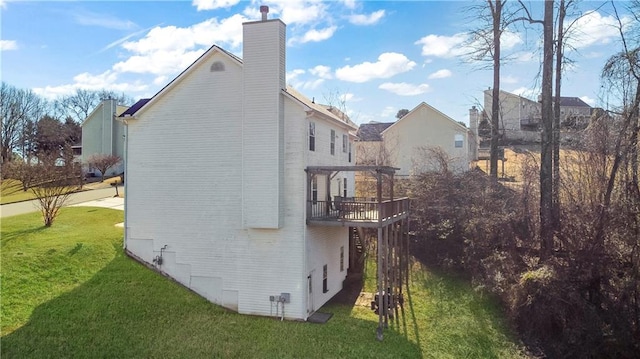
x: 424, y: 139
x: 520, y: 118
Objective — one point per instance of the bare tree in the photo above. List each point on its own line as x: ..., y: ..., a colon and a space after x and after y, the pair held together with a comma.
x: 54, y: 186
x: 82, y: 102
x: 17, y: 106
x: 103, y: 163
x: 485, y: 42
x: 546, y: 137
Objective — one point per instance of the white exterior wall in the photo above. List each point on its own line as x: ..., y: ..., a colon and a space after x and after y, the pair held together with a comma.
x: 263, y: 123
x: 425, y: 127
x: 323, y: 243
x: 196, y: 210
x: 102, y: 134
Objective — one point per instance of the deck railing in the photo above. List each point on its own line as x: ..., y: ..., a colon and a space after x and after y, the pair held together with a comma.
x: 357, y: 209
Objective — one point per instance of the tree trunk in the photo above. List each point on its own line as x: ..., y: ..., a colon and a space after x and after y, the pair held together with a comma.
x: 495, y: 100
x: 556, y: 118
x: 546, y: 150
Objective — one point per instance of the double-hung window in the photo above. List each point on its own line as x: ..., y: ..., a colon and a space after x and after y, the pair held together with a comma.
x: 458, y: 141
x: 312, y: 136
x: 333, y: 142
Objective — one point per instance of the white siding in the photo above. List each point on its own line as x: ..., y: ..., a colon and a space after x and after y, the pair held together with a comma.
x: 263, y: 123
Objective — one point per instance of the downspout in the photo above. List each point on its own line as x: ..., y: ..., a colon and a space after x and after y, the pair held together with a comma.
x: 125, y: 122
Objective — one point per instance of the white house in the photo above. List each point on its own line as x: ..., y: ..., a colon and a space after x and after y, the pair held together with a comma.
x: 409, y: 143
x: 222, y: 173
x: 103, y: 134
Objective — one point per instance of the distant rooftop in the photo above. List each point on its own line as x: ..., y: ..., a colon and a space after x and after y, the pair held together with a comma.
x: 371, y: 131
x: 136, y: 106
x: 572, y: 102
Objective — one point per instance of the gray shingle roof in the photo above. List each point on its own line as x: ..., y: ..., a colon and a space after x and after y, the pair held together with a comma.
x: 572, y: 102
x: 372, y: 131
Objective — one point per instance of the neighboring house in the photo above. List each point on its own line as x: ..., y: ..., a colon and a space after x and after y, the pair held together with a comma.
x: 520, y: 118
x: 103, y: 134
x: 409, y: 143
x: 225, y: 167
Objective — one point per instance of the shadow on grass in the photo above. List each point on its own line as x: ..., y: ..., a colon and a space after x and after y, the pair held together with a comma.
x: 10, y: 236
x: 126, y: 310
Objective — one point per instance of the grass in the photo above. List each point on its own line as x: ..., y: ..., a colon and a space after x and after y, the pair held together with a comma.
x: 11, y: 191
x: 69, y: 291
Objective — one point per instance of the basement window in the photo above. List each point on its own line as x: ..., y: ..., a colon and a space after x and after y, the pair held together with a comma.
x: 325, y: 287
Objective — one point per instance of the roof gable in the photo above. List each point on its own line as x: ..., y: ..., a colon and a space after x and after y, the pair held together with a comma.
x: 317, y: 108
x: 204, y: 57
x: 411, y: 113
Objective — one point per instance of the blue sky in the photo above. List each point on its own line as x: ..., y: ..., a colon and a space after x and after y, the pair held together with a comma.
x: 379, y: 56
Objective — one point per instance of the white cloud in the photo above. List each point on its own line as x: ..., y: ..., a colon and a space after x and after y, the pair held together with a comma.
x: 525, y: 92
x: 388, y: 111
x: 314, y: 35
x: 292, y: 75
x: 349, y: 4
x: 159, y: 62
x: 459, y: 44
x: 404, y: 89
x: 323, y: 72
x: 509, y: 40
x: 293, y: 12
x: 89, y: 18
x: 588, y: 100
x: 509, y: 79
x: 440, y: 74
x: 169, y: 49
x: 213, y: 4
x: 107, y: 80
x: 594, y: 29
x: 363, y: 19
x: 442, y: 46
x: 7, y: 45
x: 389, y: 64
x: 160, y: 80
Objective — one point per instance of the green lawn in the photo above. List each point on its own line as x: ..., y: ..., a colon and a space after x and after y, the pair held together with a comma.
x: 11, y: 191
x: 69, y: 291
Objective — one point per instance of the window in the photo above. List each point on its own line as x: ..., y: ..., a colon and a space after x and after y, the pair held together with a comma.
x: 459, y: 140
x: 314, y: 189
x: 312, y: 136
x: 333, y: 142
x: 325, y: 287
x: 345, y: 143
x: 344, y: 188
x: 342, y: 259
x: 349, y: 152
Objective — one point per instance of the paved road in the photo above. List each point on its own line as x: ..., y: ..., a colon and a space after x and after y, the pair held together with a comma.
x: 13, y: 209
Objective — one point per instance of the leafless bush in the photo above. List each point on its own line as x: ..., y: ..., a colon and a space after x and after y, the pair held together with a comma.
x: 53, y: 185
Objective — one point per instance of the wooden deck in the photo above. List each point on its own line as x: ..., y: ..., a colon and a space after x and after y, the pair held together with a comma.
x: 357, y: 212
